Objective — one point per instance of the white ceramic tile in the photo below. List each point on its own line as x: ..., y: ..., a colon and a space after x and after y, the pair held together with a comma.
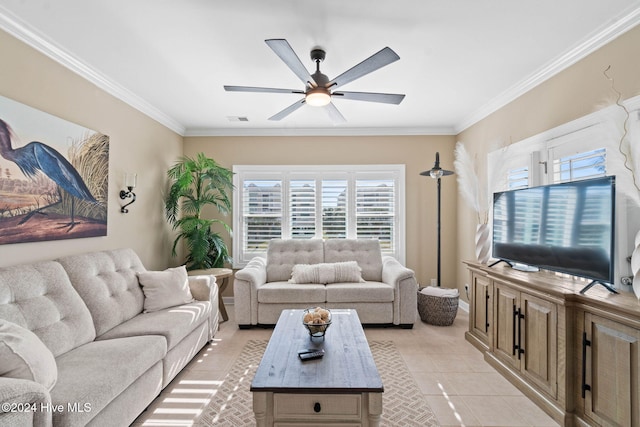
x: 461, y: 388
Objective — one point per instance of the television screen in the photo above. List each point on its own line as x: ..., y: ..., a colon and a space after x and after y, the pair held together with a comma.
x: 566, y: 227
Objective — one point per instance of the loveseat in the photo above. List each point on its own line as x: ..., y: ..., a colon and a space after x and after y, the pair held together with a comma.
x: 386, y: 292
x: 84, y: 339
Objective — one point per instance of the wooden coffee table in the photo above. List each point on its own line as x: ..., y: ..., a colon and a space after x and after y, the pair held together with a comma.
x: 342, y: 388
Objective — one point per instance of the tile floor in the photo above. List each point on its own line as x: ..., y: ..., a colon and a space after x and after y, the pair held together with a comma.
x: 461, y: 388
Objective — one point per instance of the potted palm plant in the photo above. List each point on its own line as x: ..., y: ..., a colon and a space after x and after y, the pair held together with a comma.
x: 197, y: 183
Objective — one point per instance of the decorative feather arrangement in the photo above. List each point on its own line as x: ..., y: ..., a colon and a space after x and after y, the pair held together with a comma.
x: 498, y: 170
x: 621, y: 137
x: 468, y: 182
x: 478, y: 195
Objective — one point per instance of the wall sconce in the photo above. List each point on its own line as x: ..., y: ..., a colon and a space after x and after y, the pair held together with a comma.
x: 130, y: 180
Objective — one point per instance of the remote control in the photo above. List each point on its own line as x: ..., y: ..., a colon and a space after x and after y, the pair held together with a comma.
x: 311, y: 355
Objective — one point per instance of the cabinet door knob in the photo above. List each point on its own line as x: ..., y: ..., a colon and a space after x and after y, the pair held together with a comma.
x: 317, y: 407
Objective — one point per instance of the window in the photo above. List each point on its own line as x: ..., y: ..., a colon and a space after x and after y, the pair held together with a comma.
x: 578, y: 150
x: 588, y: 164
x: 518, y: 178
x: 305, y: 202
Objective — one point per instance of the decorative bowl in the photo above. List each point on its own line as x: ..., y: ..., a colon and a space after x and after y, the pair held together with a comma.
x: 317, y: 320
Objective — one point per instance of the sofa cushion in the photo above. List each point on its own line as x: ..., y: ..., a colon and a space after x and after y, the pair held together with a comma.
x: 23, y: 355
x: 358, y: 292
x: 366, y: 252
x: 163, y: 289
x: 96, y: 373
x: 173, y: 323
x: 324, y: 273
x: 282, y: 255
x: 39, y: 297
x: 284, y: 292
x: 108, y: 283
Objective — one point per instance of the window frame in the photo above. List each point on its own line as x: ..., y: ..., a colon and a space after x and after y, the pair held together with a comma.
x: 287, y: 173
x: 579, y: 136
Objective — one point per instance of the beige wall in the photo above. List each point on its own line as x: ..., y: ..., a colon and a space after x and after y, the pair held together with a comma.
x: 417, y: 153
x: 140, y: 144
x: 577, y: 91
x: 137, y: 144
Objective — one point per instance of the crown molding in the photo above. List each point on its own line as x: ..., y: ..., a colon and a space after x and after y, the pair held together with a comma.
x: 31, y: 37
x: 370, y: 131
x: 559, y: 64
x: 15, y: 27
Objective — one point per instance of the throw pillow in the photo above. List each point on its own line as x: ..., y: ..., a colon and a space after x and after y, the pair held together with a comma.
x: 24, y: 356
x: 325, y: 273
x: 164, y: 289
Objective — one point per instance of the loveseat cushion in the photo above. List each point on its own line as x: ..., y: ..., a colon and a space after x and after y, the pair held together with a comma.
x: 366, y: 252
x: 282, y: 255
x: 173, y: 323
x: 360, y: 292
x: 39, y: 297
x: 107, y: 281
x: 97, y: 372
x: 284, y: 292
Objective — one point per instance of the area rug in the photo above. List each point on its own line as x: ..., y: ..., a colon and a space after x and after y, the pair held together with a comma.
x: 403, y: 404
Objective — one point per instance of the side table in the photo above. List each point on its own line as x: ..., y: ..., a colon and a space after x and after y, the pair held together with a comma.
x: 222, y: 279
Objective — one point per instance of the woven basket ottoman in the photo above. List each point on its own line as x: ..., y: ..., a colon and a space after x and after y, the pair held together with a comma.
x: 437, y: 310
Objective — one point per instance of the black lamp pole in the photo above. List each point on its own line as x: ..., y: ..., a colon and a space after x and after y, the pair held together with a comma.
x: 436, y: 172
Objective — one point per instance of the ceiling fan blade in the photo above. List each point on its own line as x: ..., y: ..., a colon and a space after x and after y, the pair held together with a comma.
x: 335, y: 115
x: 376, y: 61
x: 290, y: 109
x: 385, y: 98
x: 259, y: 89
x: 283, y: 49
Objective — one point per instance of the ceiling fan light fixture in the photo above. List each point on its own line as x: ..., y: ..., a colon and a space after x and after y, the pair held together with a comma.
x: 318, y: 97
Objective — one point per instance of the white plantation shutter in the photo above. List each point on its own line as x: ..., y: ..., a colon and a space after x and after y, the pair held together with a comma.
x: 261, y: 214
x: 375, y: 211
x: 518, y: 178
x: 321, y: 202
x: 334, y: 209
x: 302, y: 212
x: 588, y: 164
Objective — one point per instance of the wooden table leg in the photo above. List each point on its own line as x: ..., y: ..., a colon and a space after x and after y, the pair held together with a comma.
x: 260, y: 409
x: 223, y: 310
x: 375, y: 409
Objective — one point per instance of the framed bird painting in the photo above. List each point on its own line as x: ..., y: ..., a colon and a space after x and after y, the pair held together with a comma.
x: 54, y: 177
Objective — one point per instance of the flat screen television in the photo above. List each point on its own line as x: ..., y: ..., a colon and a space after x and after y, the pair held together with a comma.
x: 567, y: 227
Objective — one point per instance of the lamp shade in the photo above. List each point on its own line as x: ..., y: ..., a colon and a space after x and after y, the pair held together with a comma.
x: 436, y: 171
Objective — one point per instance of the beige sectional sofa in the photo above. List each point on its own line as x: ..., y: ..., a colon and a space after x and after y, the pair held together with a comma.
x: 387, y: 293
x: 112, y: 358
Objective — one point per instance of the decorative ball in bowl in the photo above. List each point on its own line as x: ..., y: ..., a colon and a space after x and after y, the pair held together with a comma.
x: 317, y: 321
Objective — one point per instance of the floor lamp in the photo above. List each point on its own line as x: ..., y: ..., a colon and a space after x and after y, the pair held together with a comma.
x: 436, y: 173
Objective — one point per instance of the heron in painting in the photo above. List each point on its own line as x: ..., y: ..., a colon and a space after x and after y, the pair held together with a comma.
x: 36, y: 156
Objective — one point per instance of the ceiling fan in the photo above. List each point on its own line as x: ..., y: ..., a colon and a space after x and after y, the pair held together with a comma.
x: 319, y: 90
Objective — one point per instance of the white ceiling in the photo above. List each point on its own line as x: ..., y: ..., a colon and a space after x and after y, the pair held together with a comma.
x: 459, y: 59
